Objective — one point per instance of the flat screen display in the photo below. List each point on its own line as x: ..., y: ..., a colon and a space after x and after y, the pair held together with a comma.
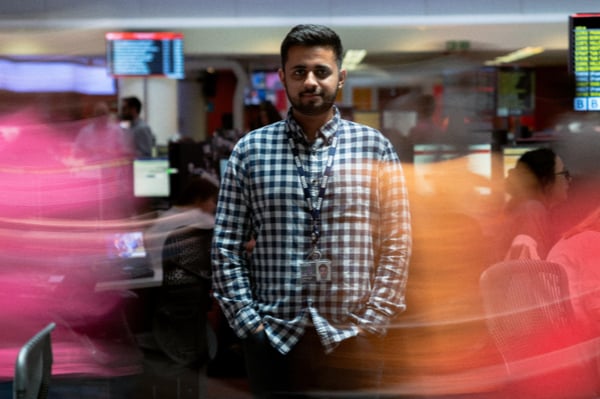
x: 584, y: 60
x: 266, y: 86
x: 151, y: 178
x: 127, y: 245
x: 139, y: 54
x: 515, y: 92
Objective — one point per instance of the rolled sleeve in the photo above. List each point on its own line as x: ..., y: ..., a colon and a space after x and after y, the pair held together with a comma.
x: 231, y: 281
x: 387, y: 297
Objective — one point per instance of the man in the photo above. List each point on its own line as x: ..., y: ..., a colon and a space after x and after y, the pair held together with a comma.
x: 312, y: 190
x: 140, y: 133
x: 102, y: 138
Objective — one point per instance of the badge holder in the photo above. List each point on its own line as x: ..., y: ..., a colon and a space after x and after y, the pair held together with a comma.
x: 316, y: 268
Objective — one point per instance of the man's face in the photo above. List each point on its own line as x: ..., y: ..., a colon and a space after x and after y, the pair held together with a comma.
x: 323, y: 270
x: 127, y: 112
x: 312, y: 79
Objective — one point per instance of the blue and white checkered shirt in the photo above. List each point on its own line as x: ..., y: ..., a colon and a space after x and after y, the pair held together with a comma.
x: 365, y: 233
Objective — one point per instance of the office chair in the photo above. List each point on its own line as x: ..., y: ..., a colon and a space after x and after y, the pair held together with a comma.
x: 181, y: 341
x: 34, y: 366
x: 531, y: 320
x: 180, y: 323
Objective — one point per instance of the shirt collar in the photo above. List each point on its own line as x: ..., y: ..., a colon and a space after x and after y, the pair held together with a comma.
x: 327, y: 131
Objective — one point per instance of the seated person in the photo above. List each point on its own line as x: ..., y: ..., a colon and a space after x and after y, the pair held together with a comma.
x: 578, y: 251
x: 179, y: 242
x: 195, y: 207
x: 425, y: 129
x: 536, y: 185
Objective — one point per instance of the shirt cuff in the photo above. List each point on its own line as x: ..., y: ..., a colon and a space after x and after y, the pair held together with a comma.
x: 374, y: 322
x: 246, y: 321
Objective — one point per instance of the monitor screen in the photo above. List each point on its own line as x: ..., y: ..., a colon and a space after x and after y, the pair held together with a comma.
x: 515, y: 91
x: 584, y: 63
x: 266, y: 86
x: 145, y: 54
x: 151, y: 178
x: 128, y: 244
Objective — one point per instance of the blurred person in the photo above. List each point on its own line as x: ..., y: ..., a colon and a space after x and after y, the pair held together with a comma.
x: 223, y: 140
x: 267, y: 114
x: 536, y: 185
x: 49, y: 250
x: 425, y: 130
x: 313, y: 189
x: 578, y: 251
x: 576, y: 373
x: 105, y: 145
x: 140, y: 135
x: 102, y: 138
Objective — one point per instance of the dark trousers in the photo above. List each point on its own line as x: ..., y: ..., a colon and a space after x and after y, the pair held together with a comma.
x: 354, y: 368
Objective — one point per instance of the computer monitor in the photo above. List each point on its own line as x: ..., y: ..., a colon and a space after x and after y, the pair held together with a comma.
x: 515, y: 93
x: 126, y: 245
x: 127, y: 256
x: 151, y: 178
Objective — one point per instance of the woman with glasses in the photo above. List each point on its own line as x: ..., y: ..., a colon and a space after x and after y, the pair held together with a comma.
x: 537, y: 183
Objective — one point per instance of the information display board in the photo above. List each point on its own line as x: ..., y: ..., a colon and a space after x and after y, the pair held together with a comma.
x: 139, y: 54
x: 584, y: 60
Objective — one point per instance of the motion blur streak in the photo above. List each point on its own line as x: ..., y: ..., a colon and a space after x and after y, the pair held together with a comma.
x: 442, y: 345
x: 56, y: 210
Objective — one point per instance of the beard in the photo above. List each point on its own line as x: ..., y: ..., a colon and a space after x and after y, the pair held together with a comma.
x: 318, y: 105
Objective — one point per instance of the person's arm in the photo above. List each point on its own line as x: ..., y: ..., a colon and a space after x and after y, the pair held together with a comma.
x: 231, y: 281
x: 531, y: 220
x: 387, y: 297
x: 144, y: 141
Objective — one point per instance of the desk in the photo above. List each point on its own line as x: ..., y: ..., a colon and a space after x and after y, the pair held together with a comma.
x: 132, y: 284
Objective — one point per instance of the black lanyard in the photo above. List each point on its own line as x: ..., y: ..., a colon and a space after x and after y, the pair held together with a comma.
x: 314, y: 208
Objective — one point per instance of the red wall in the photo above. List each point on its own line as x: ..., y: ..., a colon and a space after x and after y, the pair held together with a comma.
x: 222, y: 102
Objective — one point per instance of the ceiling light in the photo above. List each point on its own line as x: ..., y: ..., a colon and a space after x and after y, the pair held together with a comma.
x: 352, y: 58
x: 515, y: 55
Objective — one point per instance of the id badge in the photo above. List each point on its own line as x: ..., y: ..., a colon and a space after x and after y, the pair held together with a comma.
x: 316, y: 270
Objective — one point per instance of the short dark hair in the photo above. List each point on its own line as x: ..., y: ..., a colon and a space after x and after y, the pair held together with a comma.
x: 134, y: 103
x: 197, y: 188
x: 541, y: 162
x: 533, y: 172
x: 311, y: 35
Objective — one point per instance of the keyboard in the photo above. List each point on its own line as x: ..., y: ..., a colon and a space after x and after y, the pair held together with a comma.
x: 133, y: 272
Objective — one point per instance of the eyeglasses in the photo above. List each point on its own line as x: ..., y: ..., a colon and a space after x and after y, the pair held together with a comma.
x: 566, y: 174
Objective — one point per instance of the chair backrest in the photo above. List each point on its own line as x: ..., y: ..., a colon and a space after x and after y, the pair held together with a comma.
x: 180, y: 322
x: 34, y: 366
x: 530, y: 317
x: 186, y: 256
